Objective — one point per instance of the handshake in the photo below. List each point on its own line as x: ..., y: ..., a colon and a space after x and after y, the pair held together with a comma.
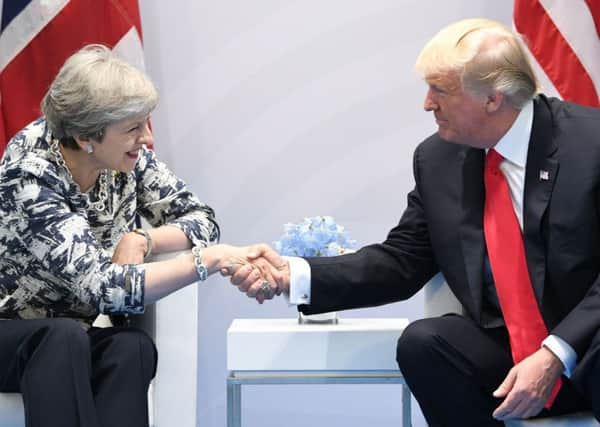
x: 256, y: 270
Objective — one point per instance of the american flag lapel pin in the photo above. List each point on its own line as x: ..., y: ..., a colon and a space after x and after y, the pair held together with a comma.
x: 544, y: 175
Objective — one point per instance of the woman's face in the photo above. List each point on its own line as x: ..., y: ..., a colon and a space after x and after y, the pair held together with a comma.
x: 121, y: 143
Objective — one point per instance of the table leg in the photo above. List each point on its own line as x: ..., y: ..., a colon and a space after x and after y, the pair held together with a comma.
x: 234, y: 404
x: 406, y: 412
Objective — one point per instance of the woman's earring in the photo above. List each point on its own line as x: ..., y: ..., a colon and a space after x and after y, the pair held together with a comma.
x: 89, y: 149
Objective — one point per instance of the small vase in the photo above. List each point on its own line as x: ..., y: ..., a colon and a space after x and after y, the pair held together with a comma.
x: 330, y: 318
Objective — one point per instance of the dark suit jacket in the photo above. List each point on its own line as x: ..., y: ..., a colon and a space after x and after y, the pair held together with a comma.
x: 442, y: 230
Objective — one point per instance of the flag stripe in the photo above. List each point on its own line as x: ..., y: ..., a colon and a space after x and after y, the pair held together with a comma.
x: 594, y: 6
x: 130, y: 10
x: 11, y: 9
x: 130, y: 47
x: 576, y: 24
x: 553, y: 52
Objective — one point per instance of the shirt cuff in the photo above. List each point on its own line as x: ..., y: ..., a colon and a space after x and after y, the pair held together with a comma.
x: 563, y: 351
x: 299, y: 281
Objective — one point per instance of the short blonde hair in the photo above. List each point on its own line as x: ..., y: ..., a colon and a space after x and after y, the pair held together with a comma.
x: 93, y: 89
x: 485, y: 55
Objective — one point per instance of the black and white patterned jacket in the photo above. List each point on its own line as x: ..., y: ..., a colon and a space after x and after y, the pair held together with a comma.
x: 55, y: 251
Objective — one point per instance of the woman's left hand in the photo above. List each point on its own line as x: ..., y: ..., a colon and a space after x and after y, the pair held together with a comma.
x: 131, y: 249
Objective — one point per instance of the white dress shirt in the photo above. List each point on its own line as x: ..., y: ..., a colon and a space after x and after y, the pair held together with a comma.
x: 513, y: 147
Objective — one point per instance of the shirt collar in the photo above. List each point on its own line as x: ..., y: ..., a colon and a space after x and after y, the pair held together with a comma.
x: 514, y: 144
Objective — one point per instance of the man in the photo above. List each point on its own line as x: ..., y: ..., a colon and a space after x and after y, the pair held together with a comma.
x: 517, y: 237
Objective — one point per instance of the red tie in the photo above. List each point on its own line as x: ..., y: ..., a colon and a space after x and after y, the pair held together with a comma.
x: 506, y: 252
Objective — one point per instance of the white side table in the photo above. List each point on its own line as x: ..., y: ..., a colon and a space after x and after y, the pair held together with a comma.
x: 280, y: 351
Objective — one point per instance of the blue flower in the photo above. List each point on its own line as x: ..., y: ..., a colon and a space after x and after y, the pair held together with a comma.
x: 315, y: 236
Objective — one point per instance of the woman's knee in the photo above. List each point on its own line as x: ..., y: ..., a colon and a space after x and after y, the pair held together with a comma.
x: 59, y: 335
x: 132, y: 339
x: 53, y: 347
x: 136, y: 347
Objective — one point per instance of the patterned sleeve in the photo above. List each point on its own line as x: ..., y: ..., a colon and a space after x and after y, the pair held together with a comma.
x: 163, y: 199
x: 67, y: 259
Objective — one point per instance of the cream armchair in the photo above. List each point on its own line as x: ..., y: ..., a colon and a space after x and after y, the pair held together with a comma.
x: 440, y: 300
x: 11, y: 410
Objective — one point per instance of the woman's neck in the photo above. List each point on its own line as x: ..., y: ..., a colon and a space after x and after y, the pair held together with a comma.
x: 81, y: 166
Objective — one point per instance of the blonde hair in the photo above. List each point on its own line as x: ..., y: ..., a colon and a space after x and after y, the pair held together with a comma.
x: 485, y: 55
x: 93, y: 89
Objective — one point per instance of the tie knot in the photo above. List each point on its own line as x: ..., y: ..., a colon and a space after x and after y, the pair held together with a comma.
x: 493, y: 159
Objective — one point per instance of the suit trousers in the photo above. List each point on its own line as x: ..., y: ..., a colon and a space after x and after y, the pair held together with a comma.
x: 70, y: 377
x: 452, y: 366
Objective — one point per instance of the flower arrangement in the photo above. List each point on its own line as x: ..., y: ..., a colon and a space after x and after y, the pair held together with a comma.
x: 315, y: 236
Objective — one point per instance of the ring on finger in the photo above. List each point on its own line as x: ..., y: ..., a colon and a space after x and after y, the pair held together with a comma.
x: 265, y: 288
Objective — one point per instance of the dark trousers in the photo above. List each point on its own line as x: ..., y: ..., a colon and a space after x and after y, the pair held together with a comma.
x: 70, y: 377
x: 452, y: 366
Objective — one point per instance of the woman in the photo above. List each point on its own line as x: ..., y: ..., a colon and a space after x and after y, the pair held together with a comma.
x: 71, y: 185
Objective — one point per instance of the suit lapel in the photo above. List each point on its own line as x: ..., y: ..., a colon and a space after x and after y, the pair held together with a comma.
x: 471, y: 228
x: 540, y: 176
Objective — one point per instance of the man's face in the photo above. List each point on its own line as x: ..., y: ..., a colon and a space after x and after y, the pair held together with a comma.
x: 460, y: 116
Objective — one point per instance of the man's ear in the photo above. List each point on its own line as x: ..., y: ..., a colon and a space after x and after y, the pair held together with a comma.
x: 494, y: 102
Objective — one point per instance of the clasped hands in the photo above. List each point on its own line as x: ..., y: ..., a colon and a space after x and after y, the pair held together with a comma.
x: 256, y: 270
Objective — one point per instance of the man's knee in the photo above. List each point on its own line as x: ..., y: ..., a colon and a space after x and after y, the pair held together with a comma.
x: 416, y: 342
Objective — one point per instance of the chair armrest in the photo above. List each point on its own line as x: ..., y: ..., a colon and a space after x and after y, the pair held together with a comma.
x: 579, y: 419
x: 439, y: 299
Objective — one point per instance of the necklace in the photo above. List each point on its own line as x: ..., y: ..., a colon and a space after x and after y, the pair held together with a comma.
x: 99, y: 205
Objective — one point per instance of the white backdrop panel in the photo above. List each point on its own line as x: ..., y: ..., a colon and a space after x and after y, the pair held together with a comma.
x: 275, y: 110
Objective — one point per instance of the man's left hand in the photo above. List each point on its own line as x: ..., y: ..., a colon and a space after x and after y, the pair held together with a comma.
x: 528, y: 385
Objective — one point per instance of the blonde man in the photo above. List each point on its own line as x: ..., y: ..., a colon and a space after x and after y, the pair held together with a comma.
x: 474, y: 369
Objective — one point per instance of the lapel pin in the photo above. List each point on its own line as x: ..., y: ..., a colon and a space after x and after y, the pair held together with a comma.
x: 544, y: 175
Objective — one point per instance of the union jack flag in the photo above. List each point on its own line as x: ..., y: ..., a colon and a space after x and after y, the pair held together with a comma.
x: 37, y: 36
x: 564, y: 38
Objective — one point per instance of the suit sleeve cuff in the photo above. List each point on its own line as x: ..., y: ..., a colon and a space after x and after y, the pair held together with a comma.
x: 563, y: 351
x: 299, y: 281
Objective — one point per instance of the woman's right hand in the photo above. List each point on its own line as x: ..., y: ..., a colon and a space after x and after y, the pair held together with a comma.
x: 250, y: 267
